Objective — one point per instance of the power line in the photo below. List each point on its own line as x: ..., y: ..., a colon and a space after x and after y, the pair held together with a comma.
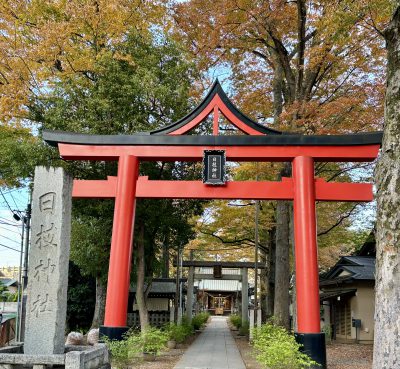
x: 9, y: 229
x: 9, y: 224
x: 10, y: 239
x: 8, y: 205
x: 8, y: 220
x: 16, y: 206
x: 8, y: 247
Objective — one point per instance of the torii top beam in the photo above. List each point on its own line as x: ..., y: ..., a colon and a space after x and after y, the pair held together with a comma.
x: 259, y: 143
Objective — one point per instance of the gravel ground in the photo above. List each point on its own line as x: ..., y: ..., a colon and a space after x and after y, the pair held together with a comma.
x: 166, y: 360
x: 339, y: 356
x: 349, y: 356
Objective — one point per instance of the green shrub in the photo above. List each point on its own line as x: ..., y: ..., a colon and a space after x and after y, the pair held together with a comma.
x: 328, y: 333
x: 244, y: 329
x: 178, y: 333
x: 199, y: 320
x: 152, y: 341
x: 119, y: 351
x: 236, y: 320
x: 134, y: 344
x: 187, y: 326
x: 277, y: 349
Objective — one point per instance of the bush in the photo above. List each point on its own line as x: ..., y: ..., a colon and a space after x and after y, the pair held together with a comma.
x: 244, y: 329
x: 119, y: 351
x: 134, y: 344
x: 178, y: 333
x: 328, y: 334
x: 236, y: 320
x: 277, y: 349
x: 199, y: 320
x: 152, y: 341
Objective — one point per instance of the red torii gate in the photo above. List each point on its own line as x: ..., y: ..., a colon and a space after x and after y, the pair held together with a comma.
x: 258, y: 144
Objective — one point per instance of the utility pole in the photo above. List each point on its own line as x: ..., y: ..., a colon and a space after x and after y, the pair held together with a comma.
x: 22, y: 313
x: 18, y: 320
x: 28, y: 228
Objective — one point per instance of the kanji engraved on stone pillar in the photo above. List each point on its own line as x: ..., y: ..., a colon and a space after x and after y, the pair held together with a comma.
x: 48, y: 262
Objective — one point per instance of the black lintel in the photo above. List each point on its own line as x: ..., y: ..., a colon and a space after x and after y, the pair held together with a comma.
x: 53, y: 138
x: 223, y: 264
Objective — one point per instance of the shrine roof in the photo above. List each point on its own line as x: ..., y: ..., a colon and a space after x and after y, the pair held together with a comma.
x: 216, y: 102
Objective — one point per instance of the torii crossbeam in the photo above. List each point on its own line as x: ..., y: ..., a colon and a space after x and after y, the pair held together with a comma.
x: 259, y: 143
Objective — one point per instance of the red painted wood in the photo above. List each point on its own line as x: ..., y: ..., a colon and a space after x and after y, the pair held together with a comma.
x: 121, y: 243
x: 234, y: 120
x: 306, y: 253
x: 95, y: 188
x: 233, y: 190
x: 196, y: 121
x: 336, y: 191
x: 216, y: 121
x: 216, y: 103
x: 198, y: 190
x: 233, y: 153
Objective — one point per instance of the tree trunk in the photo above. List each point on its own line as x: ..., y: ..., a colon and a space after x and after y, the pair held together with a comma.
x: 278, y: 92
x: 140, y: 289
x: 282, y: 267
x: 387, y: 285
x: 267, y: 277
x: 263, y: 283
x: 99, y: 309
x: 165, y: 271
x: 270, y: 265
x: 294, y: 292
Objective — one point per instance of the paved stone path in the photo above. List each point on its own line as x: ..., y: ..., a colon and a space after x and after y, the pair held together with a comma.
x: 214, y: 348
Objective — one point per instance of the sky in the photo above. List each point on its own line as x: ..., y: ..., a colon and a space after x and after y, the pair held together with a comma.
x: 10, y: 229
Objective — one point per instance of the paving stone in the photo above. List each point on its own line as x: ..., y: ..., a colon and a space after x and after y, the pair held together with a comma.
x: 213, y: 349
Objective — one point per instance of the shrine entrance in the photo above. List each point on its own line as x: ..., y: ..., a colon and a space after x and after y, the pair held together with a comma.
x: 256, y: 143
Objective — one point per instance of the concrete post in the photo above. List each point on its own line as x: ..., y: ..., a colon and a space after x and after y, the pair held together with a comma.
x: 245, y: 296
x: 189, y: 305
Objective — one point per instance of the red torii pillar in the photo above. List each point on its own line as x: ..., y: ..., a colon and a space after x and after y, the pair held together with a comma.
x: 306, y: 260
x: 121, y: 248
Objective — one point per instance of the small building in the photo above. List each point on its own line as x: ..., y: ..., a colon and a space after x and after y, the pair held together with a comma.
x: 218, y: 296
x: 10, y: 283
x: 160, y: 303
x: 348, y: 297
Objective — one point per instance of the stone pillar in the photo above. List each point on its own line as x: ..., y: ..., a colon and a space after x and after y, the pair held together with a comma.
x: 189, y: 305
x: 245, y: 296
x: 251, y: 325
x: 259, y: 313
x: 48, y: 260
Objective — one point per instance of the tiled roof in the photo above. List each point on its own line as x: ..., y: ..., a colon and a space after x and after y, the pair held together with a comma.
x: 8, y: 282
x: 358, y: 267
x: 326, y: 295
x: 160, y: 286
